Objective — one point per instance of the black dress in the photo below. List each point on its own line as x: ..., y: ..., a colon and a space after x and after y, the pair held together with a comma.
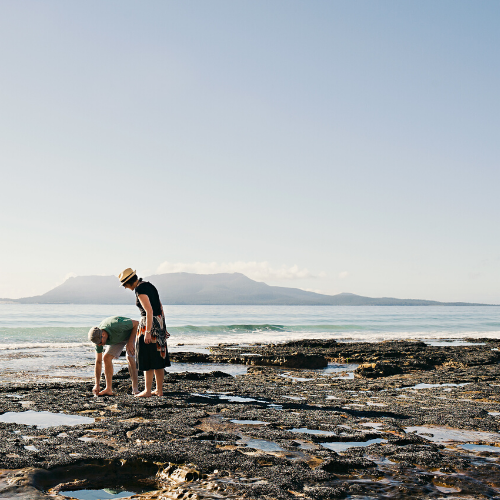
x: 151, y: 356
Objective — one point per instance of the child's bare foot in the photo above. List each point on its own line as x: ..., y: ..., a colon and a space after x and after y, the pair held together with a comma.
x: 143, y: 394
x: 106, y: 392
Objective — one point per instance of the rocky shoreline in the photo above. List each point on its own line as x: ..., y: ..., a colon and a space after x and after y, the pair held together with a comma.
x: 311, y: 419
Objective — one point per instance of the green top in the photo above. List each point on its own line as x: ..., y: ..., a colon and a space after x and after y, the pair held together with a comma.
x: 118, y: 329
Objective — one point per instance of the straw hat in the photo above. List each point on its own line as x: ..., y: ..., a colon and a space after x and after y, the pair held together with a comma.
x: 125, y: 275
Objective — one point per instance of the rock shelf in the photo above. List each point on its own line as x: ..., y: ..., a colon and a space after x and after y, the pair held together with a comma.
x: 407, y: 422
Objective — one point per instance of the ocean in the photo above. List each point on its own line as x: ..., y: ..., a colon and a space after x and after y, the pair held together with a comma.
x: 49, y: 341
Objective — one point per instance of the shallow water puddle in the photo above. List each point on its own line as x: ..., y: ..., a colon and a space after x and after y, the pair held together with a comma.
x: 237, y: 399
x: 230, y: 398
x: 295, y: 398
x: 338, y: 371
x: 480, y: 447
x: 339, y: 368
x: 249, y: 422
x: 305, y: 430
x: 373, y: 425
x: 295, y: 379
x: 340, y: 447
x: 208, y: 367
x: 261, y: 444
x: 432, y: 386
x: 43, y: 419
x: 447, y: 434
x: 104, y: 494
x: 343, y: 376
x: 447, y: 489
x: 275, y: 406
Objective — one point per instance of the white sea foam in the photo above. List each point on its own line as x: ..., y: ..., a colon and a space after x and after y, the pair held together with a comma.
x: 36, y: 338
x: 44, y: 345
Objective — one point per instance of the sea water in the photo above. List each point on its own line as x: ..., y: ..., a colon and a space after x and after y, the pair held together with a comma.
x: 51, y: 339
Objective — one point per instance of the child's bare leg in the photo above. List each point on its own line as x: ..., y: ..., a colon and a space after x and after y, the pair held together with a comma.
x: 108, y: 375
x: 148, y: 382
x: 159, y: 376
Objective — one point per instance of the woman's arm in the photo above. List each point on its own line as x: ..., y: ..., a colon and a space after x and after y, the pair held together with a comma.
x: 144, y: 300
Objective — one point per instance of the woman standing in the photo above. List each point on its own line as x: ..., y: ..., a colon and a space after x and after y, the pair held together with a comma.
x: 151, y: 342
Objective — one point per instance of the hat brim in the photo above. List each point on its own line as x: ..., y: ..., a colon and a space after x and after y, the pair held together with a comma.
x: 124, y: 280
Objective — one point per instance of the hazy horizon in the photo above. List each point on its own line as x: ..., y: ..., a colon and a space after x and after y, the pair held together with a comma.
x: 200, y: 274
x: 331, y: 146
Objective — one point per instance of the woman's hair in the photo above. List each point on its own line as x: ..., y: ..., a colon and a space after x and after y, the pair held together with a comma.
x: 131, y: 280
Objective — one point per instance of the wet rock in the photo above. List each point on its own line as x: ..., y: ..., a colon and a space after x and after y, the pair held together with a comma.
x: 291, y: 360
x: 378, y: 369
x: 410, y: 438
x: 325, y: 493
x: 339, y: 464
x: 195, y: 422
x: 178, y: 474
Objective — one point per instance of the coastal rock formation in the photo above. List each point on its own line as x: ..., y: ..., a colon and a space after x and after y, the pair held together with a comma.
x: 378, y: 369
x: 289, y: 360
x: 383, y: 358
x: 273, y: 433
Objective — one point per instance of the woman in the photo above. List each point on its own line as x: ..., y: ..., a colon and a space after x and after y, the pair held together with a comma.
x: 151, y: 342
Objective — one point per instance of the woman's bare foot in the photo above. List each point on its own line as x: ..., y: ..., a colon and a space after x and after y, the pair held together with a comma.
x: 158, y: 393
x: 143, y: 394
x: 106, y: 392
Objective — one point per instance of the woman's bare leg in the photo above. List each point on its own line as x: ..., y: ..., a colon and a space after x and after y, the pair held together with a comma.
x: 148, y: 383
x: 159, y: 376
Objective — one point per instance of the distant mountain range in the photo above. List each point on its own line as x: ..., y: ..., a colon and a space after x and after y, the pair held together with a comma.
x: 208, y: 289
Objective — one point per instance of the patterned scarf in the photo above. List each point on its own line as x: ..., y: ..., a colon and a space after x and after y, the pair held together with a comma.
x: 159, y: 334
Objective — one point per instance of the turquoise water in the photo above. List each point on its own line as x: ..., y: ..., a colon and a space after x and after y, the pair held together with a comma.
x: 28, y: 324
x: 51, y: 340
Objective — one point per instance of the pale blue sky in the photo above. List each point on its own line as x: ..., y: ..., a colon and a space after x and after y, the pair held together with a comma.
x: 327, y: 145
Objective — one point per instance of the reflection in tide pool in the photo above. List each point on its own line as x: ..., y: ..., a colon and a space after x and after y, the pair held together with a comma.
x: 207, y: 368
x: 432, y: 386
x: 447, y: 489
x: 43, y: 419
x: 305, y: 430
x: 105, y: 494
x: 480, y: 447
x: 446, y: 434
x: 261, y: 444
x: 340, y: 447
x: 248, y: 422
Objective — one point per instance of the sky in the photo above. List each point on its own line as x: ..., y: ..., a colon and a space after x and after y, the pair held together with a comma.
x: 334, y: 146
